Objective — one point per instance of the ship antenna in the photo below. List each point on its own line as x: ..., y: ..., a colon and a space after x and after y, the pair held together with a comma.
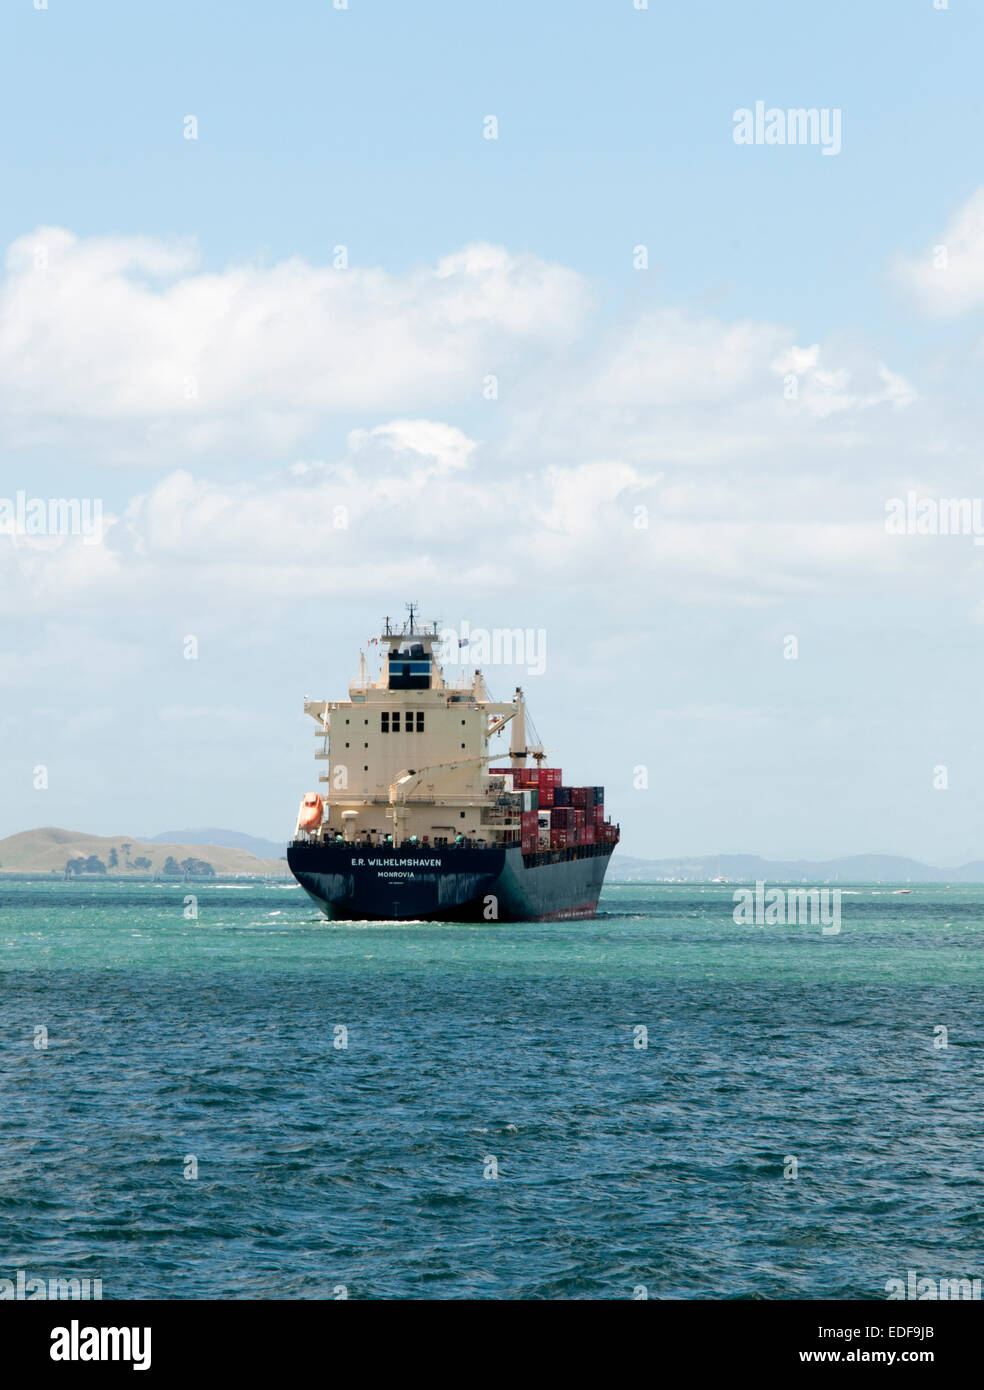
x: 412, y: 607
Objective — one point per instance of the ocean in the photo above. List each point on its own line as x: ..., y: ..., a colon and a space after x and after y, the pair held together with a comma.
x: 257, y: 1103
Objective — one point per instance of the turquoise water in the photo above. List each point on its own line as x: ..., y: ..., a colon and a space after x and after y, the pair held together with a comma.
x: 368, y: 1166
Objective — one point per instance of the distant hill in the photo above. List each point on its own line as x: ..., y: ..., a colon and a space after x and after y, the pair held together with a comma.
x: 50, y: 848
x: 228, y: 839
x: 747, y: 868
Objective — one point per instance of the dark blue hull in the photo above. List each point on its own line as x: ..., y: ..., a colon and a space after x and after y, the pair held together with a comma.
x: 451, y: 883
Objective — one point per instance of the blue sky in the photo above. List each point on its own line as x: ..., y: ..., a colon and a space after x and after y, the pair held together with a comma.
x: 210, y: 260
x: 359, y: 126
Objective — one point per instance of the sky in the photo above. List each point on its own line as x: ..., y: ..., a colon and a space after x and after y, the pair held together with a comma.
x: 314, y: 344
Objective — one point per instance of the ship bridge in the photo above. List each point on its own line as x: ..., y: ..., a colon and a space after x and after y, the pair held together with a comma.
x: 411, y: 731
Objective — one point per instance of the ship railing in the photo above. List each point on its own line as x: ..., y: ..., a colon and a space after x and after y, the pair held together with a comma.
x: 476, y: 842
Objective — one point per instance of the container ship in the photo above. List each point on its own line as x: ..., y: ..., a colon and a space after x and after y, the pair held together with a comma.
x: 414, y: 824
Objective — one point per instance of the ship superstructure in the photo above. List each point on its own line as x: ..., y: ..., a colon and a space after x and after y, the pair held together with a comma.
x: 410, y: 819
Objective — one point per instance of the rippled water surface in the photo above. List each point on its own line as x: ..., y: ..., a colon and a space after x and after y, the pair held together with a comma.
x: 481, y: 1047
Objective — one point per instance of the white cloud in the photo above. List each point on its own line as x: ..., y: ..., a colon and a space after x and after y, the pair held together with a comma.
x: 422, y: 492
x: 948, y: 278
x: 825, y: 390
x: 750, y: 494
x: 125, y: 340
x: 127, y: 350
x: 681, y: 388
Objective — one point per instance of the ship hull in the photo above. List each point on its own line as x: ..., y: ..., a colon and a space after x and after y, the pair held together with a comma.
x: 450, y: 883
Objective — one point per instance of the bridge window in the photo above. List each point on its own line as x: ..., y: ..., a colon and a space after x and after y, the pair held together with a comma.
x: 389, y: 721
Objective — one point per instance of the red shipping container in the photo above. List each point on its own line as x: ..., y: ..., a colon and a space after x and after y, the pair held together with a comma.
x: 579, y: 816
x: 588, y: 835
x: 546, y: 795
x: 599, y: 815
x: 522, y: 776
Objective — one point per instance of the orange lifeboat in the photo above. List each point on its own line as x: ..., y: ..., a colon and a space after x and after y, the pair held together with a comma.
x: 311, y: 812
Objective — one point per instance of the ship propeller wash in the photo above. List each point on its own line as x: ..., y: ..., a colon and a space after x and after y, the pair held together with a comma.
x: 414, y: 824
